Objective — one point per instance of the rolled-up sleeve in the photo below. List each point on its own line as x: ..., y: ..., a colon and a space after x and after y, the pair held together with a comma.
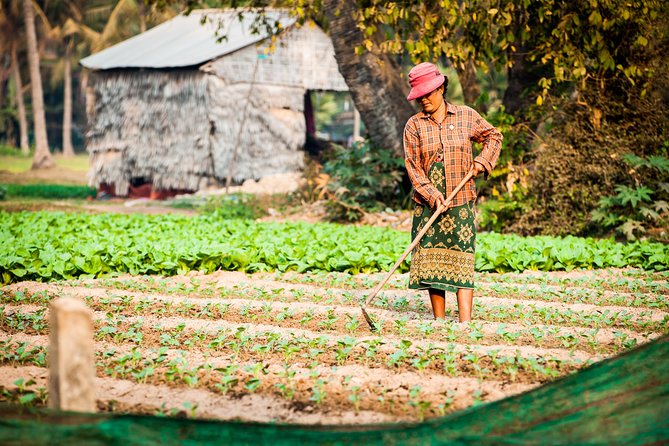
x: 414, y: 165
x: 483, y: 132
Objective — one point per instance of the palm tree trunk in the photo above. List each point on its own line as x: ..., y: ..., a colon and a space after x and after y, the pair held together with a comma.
x: 374, y: 80
x: 18, y: 86
x: 68, y: 151
x: 42, y: 158
x: 5, y: 72
x: 141, y: 12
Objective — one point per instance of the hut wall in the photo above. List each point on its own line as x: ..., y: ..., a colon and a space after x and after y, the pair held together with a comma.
x: 272, y: 133
x: 150, y: 124
x: 303, y: 57
x: 180, y: 128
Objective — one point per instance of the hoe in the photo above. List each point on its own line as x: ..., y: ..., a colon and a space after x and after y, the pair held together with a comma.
x: 413, y: 244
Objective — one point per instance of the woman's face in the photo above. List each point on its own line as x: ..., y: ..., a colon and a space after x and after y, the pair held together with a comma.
x: 432, y: 101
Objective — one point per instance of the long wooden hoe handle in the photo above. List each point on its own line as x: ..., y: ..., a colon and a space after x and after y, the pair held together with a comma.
x: 420, y: 235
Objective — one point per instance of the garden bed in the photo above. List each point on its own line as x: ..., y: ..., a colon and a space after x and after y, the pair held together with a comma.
x: 293, y: 347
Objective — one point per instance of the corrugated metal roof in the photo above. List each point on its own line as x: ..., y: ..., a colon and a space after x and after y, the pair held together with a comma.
x: 184, y: 41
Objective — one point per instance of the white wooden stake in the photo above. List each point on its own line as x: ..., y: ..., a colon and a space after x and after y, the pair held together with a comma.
x: 71, y: 356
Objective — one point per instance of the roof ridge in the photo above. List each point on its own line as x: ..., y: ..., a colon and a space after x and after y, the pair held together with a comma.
x: 249, y: 9
x: 182, y: 41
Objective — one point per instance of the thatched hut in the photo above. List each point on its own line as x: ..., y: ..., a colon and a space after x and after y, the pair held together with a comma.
x: 175, y: 108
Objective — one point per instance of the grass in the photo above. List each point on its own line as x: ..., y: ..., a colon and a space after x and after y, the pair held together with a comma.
x: 20, y: 164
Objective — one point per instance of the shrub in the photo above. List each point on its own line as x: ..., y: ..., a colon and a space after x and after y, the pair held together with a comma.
x: 362, y: 179
x: 504, y: 194
x: 239, y: 206
x: 57, y: 191
x: 640, y: 205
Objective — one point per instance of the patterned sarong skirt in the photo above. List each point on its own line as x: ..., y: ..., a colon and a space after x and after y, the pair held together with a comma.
x: 444, y: 258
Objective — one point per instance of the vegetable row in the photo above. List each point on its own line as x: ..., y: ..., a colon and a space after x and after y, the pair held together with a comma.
x: 48, y: 246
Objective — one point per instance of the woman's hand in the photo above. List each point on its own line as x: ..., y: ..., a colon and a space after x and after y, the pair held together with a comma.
x: 440, y: 201
x: 477, y: 168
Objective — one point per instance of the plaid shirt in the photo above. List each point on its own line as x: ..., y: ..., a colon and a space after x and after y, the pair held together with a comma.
x: 426, y: 142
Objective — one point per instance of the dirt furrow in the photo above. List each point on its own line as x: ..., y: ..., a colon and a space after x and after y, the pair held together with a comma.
x: 592, y: 279
x: 254, y: 328
x: 400, y: 389
x: 118, y: 395
x: 483, y: 303
x: 575, y: 294
x: 388, y: 353
x: 101, y: 320
x: 251, y: 312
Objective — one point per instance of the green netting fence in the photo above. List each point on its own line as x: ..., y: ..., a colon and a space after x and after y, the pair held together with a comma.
x: 623, y: 400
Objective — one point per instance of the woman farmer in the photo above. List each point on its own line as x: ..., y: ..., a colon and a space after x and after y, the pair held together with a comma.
x: 438, y: 155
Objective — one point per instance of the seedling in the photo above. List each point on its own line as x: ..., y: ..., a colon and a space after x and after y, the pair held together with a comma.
x: 478, y: 399
x: 190, y: 408
x: 345, y: 346
x: 352, y: 324
x: 287, y: 385
x: 331, y: 320
x: 318, y: 394
x: 286, y: 313
x: 354, y: 397
x: 426, y: 328
x: 308, y: 316
x: 416, y: 402
x: 448, y: 401
x: 228, y: 380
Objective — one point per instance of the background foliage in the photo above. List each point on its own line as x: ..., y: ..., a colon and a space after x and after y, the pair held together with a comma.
x: 585, y: 82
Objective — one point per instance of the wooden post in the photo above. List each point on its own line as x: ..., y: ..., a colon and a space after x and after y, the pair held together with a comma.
x: 356, y: 125
x: 71, y: 356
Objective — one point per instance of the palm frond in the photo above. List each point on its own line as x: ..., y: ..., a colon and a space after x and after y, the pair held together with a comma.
x: 88, y: 35
x: 111, y: 32
x: 48, y: 28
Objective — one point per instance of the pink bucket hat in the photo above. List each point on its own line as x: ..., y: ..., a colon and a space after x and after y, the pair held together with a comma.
x: 424, y: 78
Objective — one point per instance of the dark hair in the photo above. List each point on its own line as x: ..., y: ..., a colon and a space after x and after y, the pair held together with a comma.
x: 445, y: 84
